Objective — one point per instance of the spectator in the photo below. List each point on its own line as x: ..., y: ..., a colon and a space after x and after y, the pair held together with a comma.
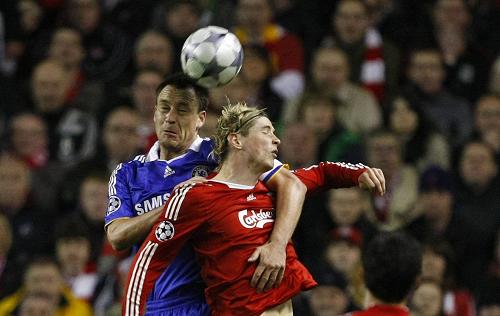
x: 154, y: 50
x: 30, y: 225
x: 329, y: 298
x: 439, y: 219
x: 391, y: 264
x: 494, y: 83
x: 319, y: 113
x: 9, y: 275
x: 423, y: 146
x: 477, y: 197
x: 120, y: 141
x: 488, y: 300
x: 373, y: 61
x: 107, y: 46
x: 254, y: 26
x: 343, y: 253
x: 394, y: 209
x: 450, y: 114
x: 66, y: 47
x: 466, y: 64
x: 427, y: 300
x: 72, y: 132
x: 487, y: 121
x: 144, y: 100
x: 43, y: 276
x: 299, y: 146
x: 37, y: 304
x: 73, y: 251
x: 330, y: 73
x: 257, y: 72
x: 178, y: 19
x: 28, y: 139
x: 438, y: 265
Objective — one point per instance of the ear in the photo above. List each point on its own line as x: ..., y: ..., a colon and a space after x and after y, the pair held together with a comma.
x: 234, y: 140
x: 202, y: 116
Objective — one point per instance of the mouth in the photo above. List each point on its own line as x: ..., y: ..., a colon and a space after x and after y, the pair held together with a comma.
x: 169, y: 133
x: 275, y: 153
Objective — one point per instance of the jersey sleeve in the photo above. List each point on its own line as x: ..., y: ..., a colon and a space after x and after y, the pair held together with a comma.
x: 119, y: 199
x: 181, y: 217
x: 330, y: 175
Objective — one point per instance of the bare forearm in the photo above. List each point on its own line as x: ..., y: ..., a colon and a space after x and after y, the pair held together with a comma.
x: 288, y: 209
x: 124, y: 233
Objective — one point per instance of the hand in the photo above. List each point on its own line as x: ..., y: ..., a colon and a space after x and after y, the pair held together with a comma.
x: 271, y: 267
x: 373, y: 180
x: 193, y: 180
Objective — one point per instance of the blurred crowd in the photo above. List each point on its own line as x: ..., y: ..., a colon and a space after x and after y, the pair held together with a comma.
x: 411, y: 87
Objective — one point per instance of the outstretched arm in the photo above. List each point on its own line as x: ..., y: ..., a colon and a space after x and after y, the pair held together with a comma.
x: 272, y: 255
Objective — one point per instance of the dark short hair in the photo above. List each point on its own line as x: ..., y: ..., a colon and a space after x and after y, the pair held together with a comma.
x: 183, y: 81
x: 392, y: 262
x: 70, y: 229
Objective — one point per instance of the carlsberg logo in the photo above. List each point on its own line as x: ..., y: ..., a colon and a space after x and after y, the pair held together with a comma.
x: 255, y: 219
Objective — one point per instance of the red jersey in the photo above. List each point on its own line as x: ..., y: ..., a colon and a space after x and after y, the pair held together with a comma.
x: 224, y: 223
x: 383, y: 310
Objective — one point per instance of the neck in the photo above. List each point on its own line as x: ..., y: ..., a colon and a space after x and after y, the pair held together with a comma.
x: 371, y: 300
x: 239, y: 170
x: 167, y: 153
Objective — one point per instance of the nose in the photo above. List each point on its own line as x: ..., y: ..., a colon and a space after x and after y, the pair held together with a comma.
x: 276, y: 140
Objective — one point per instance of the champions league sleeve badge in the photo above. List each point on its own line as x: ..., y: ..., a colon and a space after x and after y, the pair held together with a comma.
x: 114, y: 204
x: 164, y: 231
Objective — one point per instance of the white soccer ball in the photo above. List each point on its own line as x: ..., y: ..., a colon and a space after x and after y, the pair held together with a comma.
x: 212, y: 56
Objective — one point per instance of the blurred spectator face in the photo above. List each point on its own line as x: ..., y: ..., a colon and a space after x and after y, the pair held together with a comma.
x: 28, y: 135
x: 328, y: 301
x: 94, y: 198
x: 5, y: 236
x: 437, y: 204
x: 253, y: 14
x: 73, y: 254
x: 345, y: 206
x: 298, y: 145
x: 492, y: 310
x: 154, y: 50
x: 37, y: 305
x: 256, y: 68
x: 403, y: 120
x: 426, y: 71
x: 66, y: 47
x: 49, y: 86
x: 84, y: 14
x: 451, y: 14
x: 30, y: 15
x: 384, y: 151
x: 208, y: 129
x: 426, y: 300
x: 330, y: 69
x: 433, y: 266
x: 351, y: 21
x: 236, y: 90
x: 43, y: 278
x: 488, y: 115
x: 121, y: 136
x: 144, y: 92
x: 319, y: 116
x: 15, y: 184
x: 343, y: 256
x: 477, y: 165
x: 182, y: 20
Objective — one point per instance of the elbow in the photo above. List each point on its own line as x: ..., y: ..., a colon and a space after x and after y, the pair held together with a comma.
x: 117, y: 240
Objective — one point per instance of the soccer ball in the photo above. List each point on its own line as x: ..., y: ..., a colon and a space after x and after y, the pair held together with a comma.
x: 212, y: 56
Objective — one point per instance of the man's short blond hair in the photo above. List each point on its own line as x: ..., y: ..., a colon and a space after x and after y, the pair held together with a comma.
x: 235, y: 118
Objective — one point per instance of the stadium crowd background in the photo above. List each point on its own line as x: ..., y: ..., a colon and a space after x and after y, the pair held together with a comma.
x: 411, y: 87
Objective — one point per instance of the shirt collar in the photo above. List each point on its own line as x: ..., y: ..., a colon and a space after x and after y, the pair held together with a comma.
x: 154, y: 152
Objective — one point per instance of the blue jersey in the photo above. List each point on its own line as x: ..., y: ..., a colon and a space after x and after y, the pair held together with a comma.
x: 145, y: 183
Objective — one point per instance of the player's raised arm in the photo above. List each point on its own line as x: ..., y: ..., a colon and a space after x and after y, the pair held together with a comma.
x: 330, y: 175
